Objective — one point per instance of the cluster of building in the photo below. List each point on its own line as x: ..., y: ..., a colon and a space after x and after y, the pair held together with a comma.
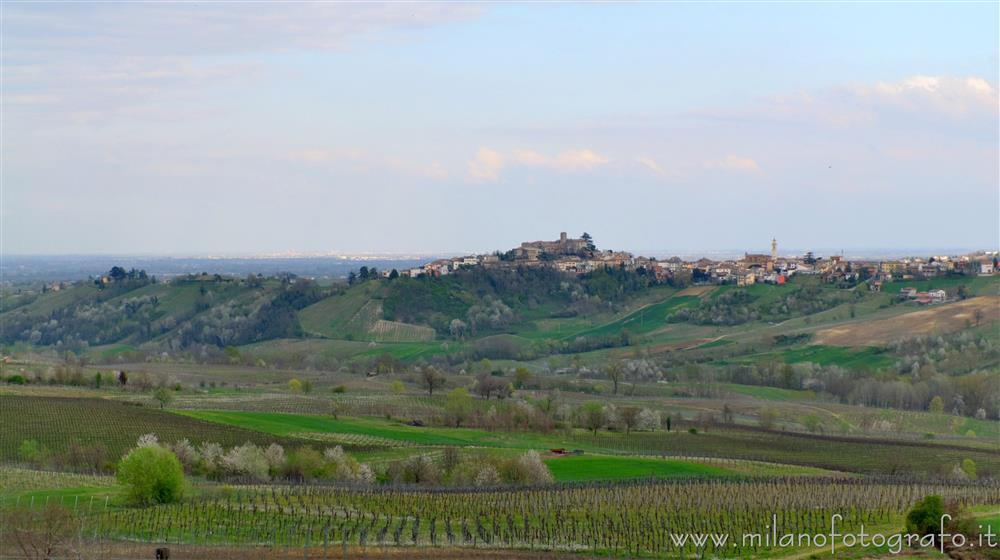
x: 580, y: 256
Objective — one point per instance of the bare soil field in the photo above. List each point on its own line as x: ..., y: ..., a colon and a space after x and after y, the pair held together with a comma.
x: 695, y: 291
x: 945, y: 318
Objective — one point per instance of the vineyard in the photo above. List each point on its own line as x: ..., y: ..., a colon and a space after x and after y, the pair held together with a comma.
x: 621, y: 520
x: 394, y: 331
x: 55, y: 422
x: 843, y: 454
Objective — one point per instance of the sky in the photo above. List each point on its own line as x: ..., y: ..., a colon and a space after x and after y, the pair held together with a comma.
x: 261, y: 128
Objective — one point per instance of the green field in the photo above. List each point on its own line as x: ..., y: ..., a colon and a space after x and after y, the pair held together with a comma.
x: 304, y: 425
x: 853, y: 358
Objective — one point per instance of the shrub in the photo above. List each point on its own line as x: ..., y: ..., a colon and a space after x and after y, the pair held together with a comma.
x: 925, y: 517
x: 211, y: 456
x: 648, y: 421
x: 32, y: 452
x: 419, y: 469
x: 152, y: 474
x: 487, y: 476
x: 186, y: 454
x: 275, y: 456
x: 969, y: 468
x: 531, y: 470
x: 247, y: 460
x: 304, y: 463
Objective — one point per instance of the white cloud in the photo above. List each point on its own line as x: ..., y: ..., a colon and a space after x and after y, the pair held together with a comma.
x: 486, y: 165
x: 945, y: 94
x: 741, y: 164
x: 652, y: 165
x: 570, y: 160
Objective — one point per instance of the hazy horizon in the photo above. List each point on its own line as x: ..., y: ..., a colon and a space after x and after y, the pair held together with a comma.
x: 166, y: 128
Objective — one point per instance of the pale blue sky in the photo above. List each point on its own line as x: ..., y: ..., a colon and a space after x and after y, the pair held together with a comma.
x: 426, y: 127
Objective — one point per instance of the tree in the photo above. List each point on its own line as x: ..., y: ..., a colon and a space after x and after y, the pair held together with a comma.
x: 590, y: 242
x: 521, y: 377
x: 592, y: 416
x: 969, y: 468
x: 397, y: 387
x: 615, y: 374
x: 813, y: 423
x: 488, y: 385
x: 152, y: 475
x: 727, y: 413
x: 122, y: 378
x: 47, y: 532
x: 295, y: 385
x: 458, y: 406
x: 307, y: 386
x: 629, y: 416
x: 767, y: 417
x: 162, y: 396
x: 430, y: 379
x: 936, y: 405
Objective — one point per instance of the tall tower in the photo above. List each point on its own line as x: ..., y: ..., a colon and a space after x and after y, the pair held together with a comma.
x: 774, y: 249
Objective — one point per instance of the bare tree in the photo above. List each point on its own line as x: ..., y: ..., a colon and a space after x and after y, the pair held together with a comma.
x: 629, y: 416
x: 46, y: 532
x: 430, y: 379
x: 615, y: 374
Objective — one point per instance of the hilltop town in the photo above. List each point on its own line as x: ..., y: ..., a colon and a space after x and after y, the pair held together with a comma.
x: 580, y: 256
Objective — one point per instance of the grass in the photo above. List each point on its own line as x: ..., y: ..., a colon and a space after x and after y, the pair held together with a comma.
x: 312, y: 426
x: 16, y: 480
x: 768, y: 393
x: 867, y: 358
x: 643, y: 320
x: 593, y: 467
